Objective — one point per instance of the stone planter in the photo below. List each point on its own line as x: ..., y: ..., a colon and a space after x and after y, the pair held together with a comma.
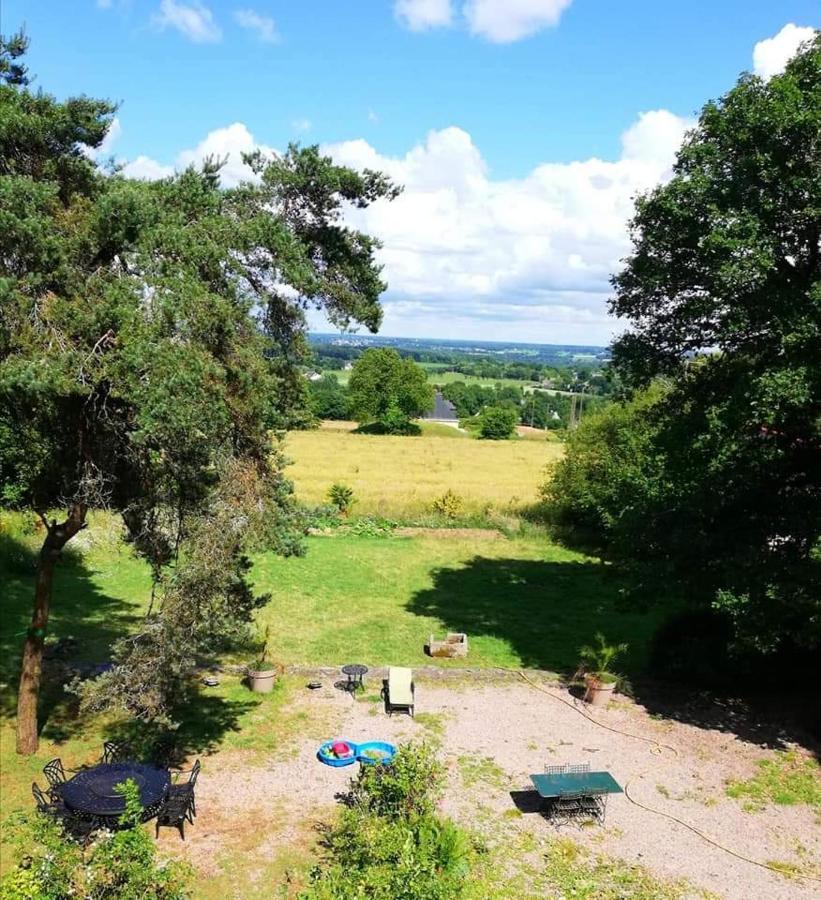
x: 598, y: 692
x: 261, y: 681
x: 454, y: 645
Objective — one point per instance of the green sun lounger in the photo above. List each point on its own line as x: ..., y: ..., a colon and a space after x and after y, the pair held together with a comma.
x: 399, y: 690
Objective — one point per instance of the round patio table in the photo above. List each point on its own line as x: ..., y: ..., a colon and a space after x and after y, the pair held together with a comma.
x: 355, y: 674
x: 92, y: 791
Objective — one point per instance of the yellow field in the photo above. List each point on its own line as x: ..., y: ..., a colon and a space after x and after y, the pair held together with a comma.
x: 401, y: 476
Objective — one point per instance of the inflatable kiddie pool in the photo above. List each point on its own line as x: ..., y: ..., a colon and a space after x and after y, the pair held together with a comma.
x: 371, y: 753
x: 337, y: 753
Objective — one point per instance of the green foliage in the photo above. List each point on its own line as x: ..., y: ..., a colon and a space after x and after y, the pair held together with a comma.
x: 597, y: 658
x: 389, y: 843
x: 388, y: 389
x: 146, y: 354
x: 449, y: 505
x: 709, y: 487
x: 119, y: 864
x: 786, y: 779
x: 409, y: 786
x: 497, y: 423
x: 329, y: 399
x: 341, y: 496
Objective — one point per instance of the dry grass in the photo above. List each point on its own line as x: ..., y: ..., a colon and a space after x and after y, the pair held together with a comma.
x: 399, y: 477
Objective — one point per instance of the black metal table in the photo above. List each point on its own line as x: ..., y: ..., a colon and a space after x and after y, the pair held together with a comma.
x: 92, y: 793
x: 355, y: 675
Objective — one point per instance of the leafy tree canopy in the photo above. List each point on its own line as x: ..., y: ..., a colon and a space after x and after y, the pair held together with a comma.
x: 710, y: 485
x: 388, y: 389
x: 147, y: 345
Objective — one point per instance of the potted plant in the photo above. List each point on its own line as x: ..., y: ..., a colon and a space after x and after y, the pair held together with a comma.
x: 596, y: 661
x: 262, y: 673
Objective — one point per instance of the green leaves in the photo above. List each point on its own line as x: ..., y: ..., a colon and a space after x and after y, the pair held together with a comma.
x: 388, y: 389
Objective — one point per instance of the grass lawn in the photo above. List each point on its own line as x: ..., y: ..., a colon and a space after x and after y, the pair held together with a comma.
x: 399, y: 477
x: 522, y: 601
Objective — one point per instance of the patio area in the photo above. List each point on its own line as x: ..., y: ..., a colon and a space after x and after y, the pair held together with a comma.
x: 493, y: 736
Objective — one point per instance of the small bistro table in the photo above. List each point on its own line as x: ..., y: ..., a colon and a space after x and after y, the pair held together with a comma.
x: 91, y: 793
x: 565, y: 784
x: 355, y: 673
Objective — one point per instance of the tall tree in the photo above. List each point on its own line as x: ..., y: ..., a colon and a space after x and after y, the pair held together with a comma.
x: 388, y: 389
x: 147, y: 342
x: 715, y: 481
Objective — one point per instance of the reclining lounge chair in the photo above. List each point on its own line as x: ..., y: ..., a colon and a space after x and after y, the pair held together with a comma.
x: 399, y: 690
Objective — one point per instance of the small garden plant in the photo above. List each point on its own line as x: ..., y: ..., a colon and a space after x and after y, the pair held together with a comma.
x: 341, y: 496
x: 597, y: 659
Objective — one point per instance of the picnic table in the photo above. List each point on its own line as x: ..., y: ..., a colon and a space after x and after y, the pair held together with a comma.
x: 556, y: 785
x: 570, y: 795
x: 92, y: 792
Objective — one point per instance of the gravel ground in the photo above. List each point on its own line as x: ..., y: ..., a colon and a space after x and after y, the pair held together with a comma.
x: 521, y: 729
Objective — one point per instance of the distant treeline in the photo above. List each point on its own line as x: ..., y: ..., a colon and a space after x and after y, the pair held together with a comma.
x: 537, y: 408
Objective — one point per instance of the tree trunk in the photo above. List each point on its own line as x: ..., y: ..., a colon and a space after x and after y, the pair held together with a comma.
x: 57, y: 536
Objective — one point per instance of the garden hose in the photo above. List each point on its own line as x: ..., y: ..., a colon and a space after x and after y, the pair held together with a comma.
x: 657, y: 748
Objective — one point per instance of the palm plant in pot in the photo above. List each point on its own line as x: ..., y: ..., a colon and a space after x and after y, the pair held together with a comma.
x: 262, y: 672
x: 596, y: 660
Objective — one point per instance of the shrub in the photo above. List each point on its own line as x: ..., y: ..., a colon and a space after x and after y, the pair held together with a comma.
x: 122, y: 864
x: 341, y: 496
x: 497, y: 423
x: 389, y: 843
x: 448, y: 505
x: 410, y: 786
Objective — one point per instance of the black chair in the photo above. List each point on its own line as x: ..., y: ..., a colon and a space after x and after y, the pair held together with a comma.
x: 173, y: 812
x: 81, y: 830
x: 567, y: 769
x: 186, y: 791
x: 565, y: 808
x: 114, y: 752
x: 56, y: 777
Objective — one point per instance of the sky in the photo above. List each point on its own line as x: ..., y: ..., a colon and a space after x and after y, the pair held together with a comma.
x: 520, y: 129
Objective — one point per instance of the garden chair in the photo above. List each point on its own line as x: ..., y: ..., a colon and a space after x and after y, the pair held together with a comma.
x: 114, y: 752
x: 399, y: 690
x: 173, y: 812
x: 186, y: 791
x: 79, y: 829
x: 56, y: 777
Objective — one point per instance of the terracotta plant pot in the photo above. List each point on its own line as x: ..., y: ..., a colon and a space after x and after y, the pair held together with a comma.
x: 262, y: 681
x: 598, y: 692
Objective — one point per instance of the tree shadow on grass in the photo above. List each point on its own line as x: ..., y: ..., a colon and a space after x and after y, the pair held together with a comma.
x: 94, y: 620
x: 542, y: 611
x: 545, y: 610
x: 79, y: 610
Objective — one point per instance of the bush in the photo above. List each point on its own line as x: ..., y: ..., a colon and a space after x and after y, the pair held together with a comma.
x: 448, y: 505
x: 497, y: 423
x: 389, y: 843
x: 341, y: 496
x: 120, y: 864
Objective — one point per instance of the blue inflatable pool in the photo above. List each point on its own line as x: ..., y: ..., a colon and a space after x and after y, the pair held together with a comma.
x: 324, y: 754
x: 370, y: 753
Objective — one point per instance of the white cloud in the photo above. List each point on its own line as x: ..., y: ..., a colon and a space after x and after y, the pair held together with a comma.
x: 504, y: 21
x: 194, y: 20
x: 470, y: 256
x: 111, y: 137
x: 770, y: 56
x: 263, y: 26
x: 302, y: 125
x: 419, y: 15
x: 146, y: 169
x: 522, y: 259
x: 373, y: 117
x: 227, y: 144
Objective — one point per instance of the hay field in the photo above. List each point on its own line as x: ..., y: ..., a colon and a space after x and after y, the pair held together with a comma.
x: 399, y: 477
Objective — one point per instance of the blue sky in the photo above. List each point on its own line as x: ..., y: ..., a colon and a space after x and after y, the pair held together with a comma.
x: 521, y: 128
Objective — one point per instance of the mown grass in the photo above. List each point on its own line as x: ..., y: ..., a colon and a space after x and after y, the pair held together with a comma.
x: 400, y: 477
x: 522, y: 602
x: 785, y: 779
